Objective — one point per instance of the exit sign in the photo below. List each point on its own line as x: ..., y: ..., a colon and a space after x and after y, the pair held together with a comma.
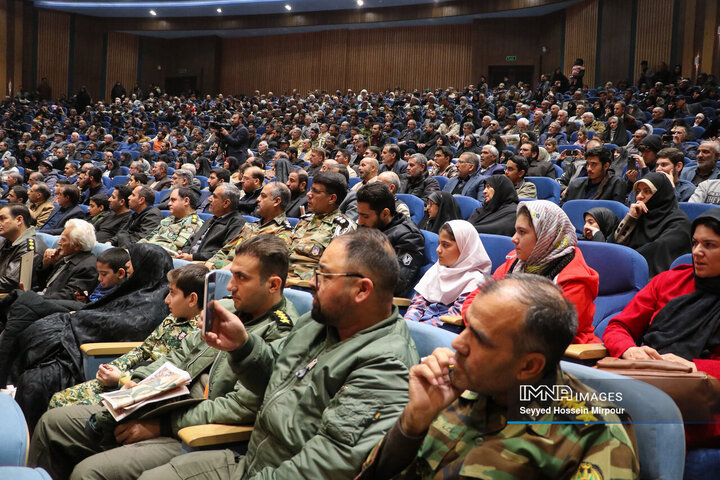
x: 510, y: 58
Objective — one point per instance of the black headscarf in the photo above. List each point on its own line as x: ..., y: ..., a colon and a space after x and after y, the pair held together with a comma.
x: 498, y: 215
x: 663, y: 233
x: 688, y: 325
x: 606, y: 220
x: 203, y: 167
x: 448, y: 209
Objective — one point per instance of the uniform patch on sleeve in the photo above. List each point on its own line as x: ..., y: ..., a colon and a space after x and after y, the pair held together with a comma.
x: 406, y: 259
x: 588, y: 471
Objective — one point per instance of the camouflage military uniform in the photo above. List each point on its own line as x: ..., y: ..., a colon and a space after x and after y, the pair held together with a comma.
x: 309, y: 239
x: 450, y: 172
x: 278, y: 226
x: 167, y: 336
x: 473, y: 439
x: 173, y: 233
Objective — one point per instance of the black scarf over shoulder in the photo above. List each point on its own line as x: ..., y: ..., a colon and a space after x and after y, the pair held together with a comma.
x: 688, y: 325
x: 498, y: 216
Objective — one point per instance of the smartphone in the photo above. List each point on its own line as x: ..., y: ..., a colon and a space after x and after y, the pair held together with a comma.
x: 215, y: 288
x: 631, y: 163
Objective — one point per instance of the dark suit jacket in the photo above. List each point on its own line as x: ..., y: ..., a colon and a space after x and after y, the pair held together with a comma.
x: 110, y: 226
x: 471, y: 187
x: 219, y: 232
x: 238, y: 142
x: 57, y: 227
x: 163, y: 184
x: 293, y: 208
x: 80, y: 274
x: 140, y: 226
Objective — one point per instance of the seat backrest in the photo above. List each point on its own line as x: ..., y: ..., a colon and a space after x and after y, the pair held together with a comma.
x: 205, y: 216
x: 657, y: 420
x: 162, y: 195
x: 301, y: 300
x: 693, y: 210
x: 50, y: 241
x: 250, y: 219
x: 120, y: 180
x: 497, y: 248
x: 547, y: 188
x: 352, y: 181
x: 467, y: 205
x: 576, y: 208
x: 427, y: 338
x: 14, y: 436
x: 99, y: 248
x: 293, y: 221
x: 431, y: 243
x: 177, y: 262
x: 623, y: 272
x: 441, y: 180
x: 415, y: 204
x: 682, y: 260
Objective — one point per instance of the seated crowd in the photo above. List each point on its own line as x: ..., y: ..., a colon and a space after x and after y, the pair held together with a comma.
x: 123, y: 208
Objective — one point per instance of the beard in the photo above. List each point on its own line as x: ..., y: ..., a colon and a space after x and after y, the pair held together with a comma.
x: 318, y: 315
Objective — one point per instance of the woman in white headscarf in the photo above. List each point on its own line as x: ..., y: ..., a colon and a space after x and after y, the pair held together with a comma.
x: 8, y: 168
x: 463, y: 265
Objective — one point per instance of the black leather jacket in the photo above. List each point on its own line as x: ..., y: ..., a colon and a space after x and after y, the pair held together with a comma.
x: 11, y: 256
x: 409, y: 244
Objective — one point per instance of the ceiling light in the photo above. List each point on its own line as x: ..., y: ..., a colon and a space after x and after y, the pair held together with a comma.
x: 152, y: 12
x: 288, y: 7
x: 360, y: 3
x: 219, y: 10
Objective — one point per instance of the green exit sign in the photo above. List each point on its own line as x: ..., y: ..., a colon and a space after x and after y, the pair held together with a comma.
x: 510, y: 58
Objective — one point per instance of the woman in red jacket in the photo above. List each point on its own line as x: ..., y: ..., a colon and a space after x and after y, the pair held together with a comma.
x: 546, y: 244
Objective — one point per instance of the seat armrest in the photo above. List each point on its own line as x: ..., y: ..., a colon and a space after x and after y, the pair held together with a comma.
x: 108, y: 348
x: 214, y: 434
x: 401, y: 302
x: 452, y: 320
x: 586, y: 351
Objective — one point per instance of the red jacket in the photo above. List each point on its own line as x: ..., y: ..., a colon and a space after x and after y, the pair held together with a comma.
x: 579, y: 284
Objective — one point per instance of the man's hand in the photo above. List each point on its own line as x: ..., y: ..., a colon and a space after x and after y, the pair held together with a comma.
x: 671, y: 357
x: 108, y: 375
x: 134, y: 431
x: 430, y: 391
x: 184, y: 256
x: 631, y: 175
x: 639, y: 160
x: 128, y: 384
x: 223, y: 131
x: 51, y: 256
x: 641, y: 353
x: 637, y: 209
x: 81, y: 297
x: 228, y: 332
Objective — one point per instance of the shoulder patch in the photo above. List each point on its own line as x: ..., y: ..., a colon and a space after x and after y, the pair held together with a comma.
x: 281, y: 318
x: 406, y: 259
x: 341, y: 220
x: 588, y: 471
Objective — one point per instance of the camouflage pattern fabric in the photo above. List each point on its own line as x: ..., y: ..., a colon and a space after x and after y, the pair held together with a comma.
x: 472, y: 439
x: 311, y: 236
x: 173, y: 233
x: 450, y: 172
x: 166, y: 337
x: 278, y: 226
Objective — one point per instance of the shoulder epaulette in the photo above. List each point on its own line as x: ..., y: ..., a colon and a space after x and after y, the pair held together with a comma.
x: 194, y: 218
x: 281, y: 318
x: 341, y: 220
x: 307, y: 216
x: 31, y: 244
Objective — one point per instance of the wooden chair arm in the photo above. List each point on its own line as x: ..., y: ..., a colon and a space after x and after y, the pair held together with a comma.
x: 298, y: 283
x: 452, y: 320
x: 3, y: 295
x: 214, y: 434
x: 401, y: 302
x: 586, y: 351
x: 108, y: 348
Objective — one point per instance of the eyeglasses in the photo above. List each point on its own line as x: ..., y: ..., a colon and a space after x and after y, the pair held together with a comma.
x: 318, y: 274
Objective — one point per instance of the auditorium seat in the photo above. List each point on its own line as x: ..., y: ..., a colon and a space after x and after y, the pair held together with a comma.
x: 14, y: 436
x: 441, y: 180
x: 623, y: 272
x: 682, y: 260
x: 431, y: 245
x: 301, y: 300
x: 24, y: 473
x: 693, y: 210
x: 352, y: 181
x: 547, y: 188
x: 467, y: 205
x: 497, y: 248
x: 656, y: 419
x: 119, y: 180
x: 415, y: 204
x: 427, y: 337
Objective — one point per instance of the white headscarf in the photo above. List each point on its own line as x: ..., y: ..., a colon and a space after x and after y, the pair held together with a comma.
x: 443, y: 284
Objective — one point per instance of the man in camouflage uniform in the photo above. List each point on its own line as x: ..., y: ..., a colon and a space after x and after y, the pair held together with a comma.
x: 315, y: 230
x: 183, y: 318
x: 272, y: 201
x: 505, y: 347
x: 62, y: 439
x: 175, y: 230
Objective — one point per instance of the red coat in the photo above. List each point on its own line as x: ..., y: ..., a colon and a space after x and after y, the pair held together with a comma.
x: 579, y: 284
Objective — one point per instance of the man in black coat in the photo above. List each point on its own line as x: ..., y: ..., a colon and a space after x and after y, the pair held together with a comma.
x: 17, y: 238
x: 599, y: 184
x: 119, y: 217
x: 418, y: 181
x: 297, y: 183
x: 145, y: 217
x: 376, y: 209
x: 237, y: 141
x: 71, y: 267
x: 252, y: 183
x: 225, y: 224
x: 67, y: 200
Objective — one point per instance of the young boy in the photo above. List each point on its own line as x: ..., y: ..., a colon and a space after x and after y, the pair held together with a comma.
x: 113, y: 267
x: 185, y: 303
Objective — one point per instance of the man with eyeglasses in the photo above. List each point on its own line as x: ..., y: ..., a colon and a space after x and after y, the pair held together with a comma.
x: 315, y: 230
x: 468, y: 180
x: 679, y: 137
x: 332, y: 387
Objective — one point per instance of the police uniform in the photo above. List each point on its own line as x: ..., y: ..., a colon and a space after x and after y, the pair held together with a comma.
x: 473, y: 439
x: 166, y: 337
x: 11, y: 254
x: 311, y: 236
x: 173, y: 233
x: 278, y: 226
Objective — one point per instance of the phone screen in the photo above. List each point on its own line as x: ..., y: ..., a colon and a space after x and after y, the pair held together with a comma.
x: 216, y: 283
x: 631, y: 163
